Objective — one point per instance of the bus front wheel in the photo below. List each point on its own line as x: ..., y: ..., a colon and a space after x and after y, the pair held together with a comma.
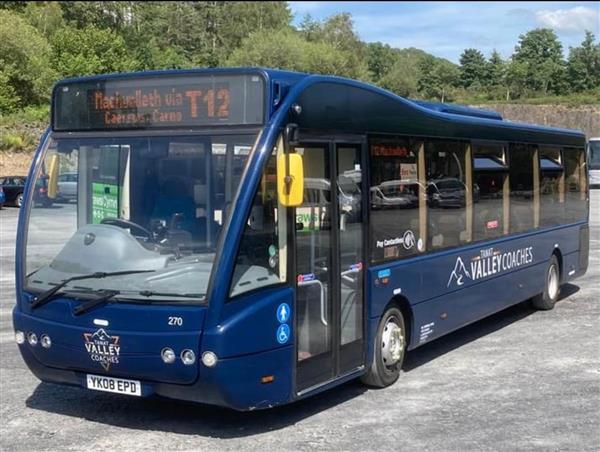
x: 390, y: 347
x: 549, y: 296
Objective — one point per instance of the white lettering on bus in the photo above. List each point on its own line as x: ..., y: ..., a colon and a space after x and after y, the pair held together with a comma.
x: 490, y: 262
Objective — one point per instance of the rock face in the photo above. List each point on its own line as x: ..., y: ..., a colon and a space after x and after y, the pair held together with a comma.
x: 585, y: 117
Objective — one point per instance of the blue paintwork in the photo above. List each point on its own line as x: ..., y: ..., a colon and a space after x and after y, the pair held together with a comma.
x: 242, y: 332
x: 424, y: 281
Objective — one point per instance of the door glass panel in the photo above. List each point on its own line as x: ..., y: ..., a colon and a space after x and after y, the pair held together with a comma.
x: 313, y: 266
x: 351, y: 245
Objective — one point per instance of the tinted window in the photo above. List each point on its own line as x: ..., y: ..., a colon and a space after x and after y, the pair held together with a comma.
x: 489, y: 179
x: 575, y: 184
x: 521, y: 187
x: 446, y: 193
x: 394, y: 198
x: 552, y: 199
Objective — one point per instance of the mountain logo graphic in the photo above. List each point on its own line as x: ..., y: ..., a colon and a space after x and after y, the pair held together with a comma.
x: 459, y: 272
x: 103, y: 348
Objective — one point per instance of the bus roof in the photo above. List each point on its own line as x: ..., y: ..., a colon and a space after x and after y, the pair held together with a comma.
x: 281, y: 82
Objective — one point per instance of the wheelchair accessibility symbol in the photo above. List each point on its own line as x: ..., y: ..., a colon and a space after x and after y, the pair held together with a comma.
x: 283, y: 333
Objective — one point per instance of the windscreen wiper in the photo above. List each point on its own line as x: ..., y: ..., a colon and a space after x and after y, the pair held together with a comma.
x: 104, y: 297
x: 151, y: 293
x: 46, y: 296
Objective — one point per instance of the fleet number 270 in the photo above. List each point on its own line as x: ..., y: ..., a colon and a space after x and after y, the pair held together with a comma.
x: 175, y: 321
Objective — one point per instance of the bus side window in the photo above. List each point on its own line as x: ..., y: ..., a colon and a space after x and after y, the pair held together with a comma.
x: 397, y: 198
x: 575, y: 184
x: 445, y: 163
x: 521, y: 187
x: 552, y: 181
x: 490, y: 179
x: 257, y: 263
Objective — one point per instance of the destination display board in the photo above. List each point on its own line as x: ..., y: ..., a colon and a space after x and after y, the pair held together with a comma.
x: 169, y: 101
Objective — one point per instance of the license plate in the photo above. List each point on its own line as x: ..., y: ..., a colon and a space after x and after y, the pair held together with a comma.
x: 116, y: 385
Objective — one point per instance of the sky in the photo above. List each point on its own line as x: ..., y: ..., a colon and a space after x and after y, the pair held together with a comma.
x: 445, y: 29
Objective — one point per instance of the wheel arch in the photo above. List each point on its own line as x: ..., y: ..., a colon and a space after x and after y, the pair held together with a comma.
x: 402, y: 303
x: 559, y: 257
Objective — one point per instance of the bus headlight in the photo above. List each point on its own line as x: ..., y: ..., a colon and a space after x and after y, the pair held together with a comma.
x: 19, y: 337
x: 209, y: 359
x: 188, y: 357
x: 32, y: 339
x: 168, y: 355
x: 45, y: 341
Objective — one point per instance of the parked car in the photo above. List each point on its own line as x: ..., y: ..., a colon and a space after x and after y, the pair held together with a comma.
x: 13, y: 187
x: 67, y: 187
x: 40, y: 193
x: 2, y: 197
x: 395, y: 194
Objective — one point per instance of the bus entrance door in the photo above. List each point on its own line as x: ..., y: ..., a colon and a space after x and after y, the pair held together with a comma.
x: 329, y: 264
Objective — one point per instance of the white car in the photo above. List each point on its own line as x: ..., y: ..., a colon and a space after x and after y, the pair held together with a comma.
x: 67, y: 187
x: 594, y: 162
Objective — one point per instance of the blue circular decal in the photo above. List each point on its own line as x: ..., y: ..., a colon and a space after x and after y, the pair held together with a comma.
x: 283, y: 313
x: 283, y: 333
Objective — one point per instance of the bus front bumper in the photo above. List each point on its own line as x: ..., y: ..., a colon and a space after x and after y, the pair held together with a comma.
x: 236, y: 382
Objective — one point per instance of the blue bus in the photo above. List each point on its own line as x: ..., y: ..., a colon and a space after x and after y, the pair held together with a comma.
x: 248, y: 238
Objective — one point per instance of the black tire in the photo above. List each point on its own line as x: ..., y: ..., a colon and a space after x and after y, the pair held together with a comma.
x: 546, y: 300
x: 19, y: 200
x: 381, y: 373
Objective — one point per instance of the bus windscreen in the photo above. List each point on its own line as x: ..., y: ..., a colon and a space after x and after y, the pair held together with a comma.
x: 159, y: 102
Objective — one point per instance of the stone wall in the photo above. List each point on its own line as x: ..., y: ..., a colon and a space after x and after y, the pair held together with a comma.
x: 585, y: 118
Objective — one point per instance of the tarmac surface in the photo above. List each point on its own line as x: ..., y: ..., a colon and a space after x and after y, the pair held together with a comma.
x: 521, y: 379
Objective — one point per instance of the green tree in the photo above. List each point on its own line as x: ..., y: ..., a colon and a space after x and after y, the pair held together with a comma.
x: 240, y: 19
x: 516, y: 79
x: 338, y: 33
x: 403, y: 77
x: 472, y: 68
x: 496, y: 70
x: 438, y: 78
x: 540, y: 53
x: 99, y: 14
x: 286, y: 49
x: 90, y: 51
x: 45, y: 16
x: 24, y: 62
x: 381, y: 58
x: 9, y: 99
x: 283, y: 49
x: 583, y: 65
x: 400, y: 79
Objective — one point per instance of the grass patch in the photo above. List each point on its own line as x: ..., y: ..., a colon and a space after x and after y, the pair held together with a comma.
x: 36, y: 116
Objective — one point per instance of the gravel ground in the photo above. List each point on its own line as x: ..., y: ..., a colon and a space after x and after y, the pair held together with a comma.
x: 520, y: 379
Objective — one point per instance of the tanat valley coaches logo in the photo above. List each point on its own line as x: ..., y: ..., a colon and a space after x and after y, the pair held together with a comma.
x: 102, y: 348
x: 489, y: 262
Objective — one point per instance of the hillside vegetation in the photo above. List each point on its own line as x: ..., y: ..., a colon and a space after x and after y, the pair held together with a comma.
x: 41, y: 42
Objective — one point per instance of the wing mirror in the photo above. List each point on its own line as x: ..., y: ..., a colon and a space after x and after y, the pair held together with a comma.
x: 290, y: 171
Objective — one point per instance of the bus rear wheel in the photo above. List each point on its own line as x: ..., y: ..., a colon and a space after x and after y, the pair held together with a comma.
x: 390, y: 347
x: 549, y: 296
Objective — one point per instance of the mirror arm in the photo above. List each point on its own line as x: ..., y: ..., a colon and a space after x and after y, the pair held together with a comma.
x: 290, y: 139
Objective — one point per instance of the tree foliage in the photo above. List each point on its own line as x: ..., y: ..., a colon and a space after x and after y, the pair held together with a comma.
x: 41, y: 42
x: 24, y: 63
x: 539, y: 53
x: 472, y: 68
x: 439, y: 78
x: 90, y: 51
x: 584, y: 65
